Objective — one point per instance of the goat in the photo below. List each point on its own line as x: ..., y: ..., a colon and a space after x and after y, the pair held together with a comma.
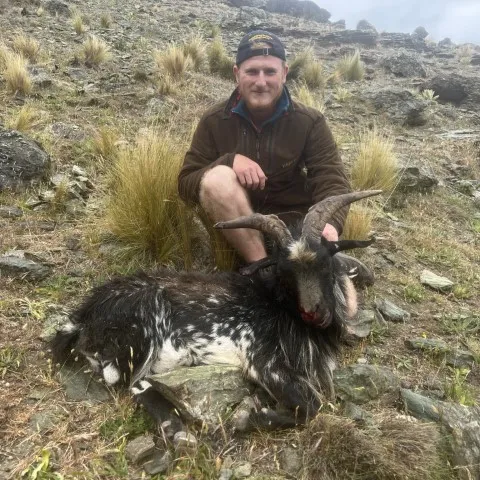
x: 284, y: 338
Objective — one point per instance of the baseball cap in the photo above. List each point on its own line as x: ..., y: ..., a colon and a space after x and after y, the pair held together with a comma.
x: 259, y: 42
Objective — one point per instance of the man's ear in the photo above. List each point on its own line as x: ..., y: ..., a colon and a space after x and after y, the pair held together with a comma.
x: 285, y: 73
x: 235, y: 72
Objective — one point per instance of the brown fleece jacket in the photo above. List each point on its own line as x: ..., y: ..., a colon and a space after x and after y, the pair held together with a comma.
x: 297, y: 153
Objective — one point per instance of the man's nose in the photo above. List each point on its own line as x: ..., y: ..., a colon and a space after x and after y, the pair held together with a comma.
x: 261, y: 79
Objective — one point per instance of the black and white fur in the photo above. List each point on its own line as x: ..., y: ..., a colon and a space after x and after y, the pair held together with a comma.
x: 148, y: 323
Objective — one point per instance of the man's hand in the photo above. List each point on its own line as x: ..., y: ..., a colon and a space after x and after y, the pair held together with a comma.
x: 330, y: 233
x: 249, y: 173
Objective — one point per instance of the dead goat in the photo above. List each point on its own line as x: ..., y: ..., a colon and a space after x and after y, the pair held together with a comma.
x: 284, y: 338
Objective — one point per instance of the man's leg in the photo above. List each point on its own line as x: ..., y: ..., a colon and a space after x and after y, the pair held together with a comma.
x: 223, y: 198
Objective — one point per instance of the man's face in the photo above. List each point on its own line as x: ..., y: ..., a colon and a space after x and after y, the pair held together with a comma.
x: 260, y: 81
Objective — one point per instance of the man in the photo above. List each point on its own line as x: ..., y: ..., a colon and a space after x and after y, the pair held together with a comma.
x: 261, y: 151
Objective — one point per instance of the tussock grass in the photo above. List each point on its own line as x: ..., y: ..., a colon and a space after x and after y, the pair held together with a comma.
x: 174, y: 62
x: 105, y: 144
x: 309, y: 98
x: 78, y: 24
x: 15, y: 72
x: 218, y: 60
x: 358, y: 223
x: 166, y: 85
x: 145, y: 212
x: 335, y: 448
x: 95, y: 51
x: 464, y: 53
x: 26, y: 46
x: 196, y: 48
x: 314, y: 75
x: 299, y: 62
x: 375, y: 166
x: 351, y: 68
x: 24, y: 119
x: 105, y: 20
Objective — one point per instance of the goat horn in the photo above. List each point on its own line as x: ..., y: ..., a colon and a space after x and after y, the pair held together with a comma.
x: 319, y: 214
x: 268, y: 224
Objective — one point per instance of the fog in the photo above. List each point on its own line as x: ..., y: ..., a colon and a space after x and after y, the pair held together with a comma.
x: 457, y: 19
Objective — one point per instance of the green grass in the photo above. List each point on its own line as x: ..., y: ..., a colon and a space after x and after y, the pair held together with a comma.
x: 457, y: 387
x: 414, y: 293
x: 11, y: 359
x: 132, y: 425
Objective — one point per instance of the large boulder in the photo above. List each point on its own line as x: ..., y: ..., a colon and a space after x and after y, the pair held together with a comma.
x: 22, y: 160
x: 450, y: 87
x: 366, y: 26
x: 400, y: 105
x: 296, y: 8
x: 404, y: 64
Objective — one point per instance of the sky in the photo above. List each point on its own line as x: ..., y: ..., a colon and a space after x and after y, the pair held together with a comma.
x: 457, y: 19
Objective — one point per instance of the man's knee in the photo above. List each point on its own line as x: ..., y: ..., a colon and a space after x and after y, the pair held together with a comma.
x: 220, y: 184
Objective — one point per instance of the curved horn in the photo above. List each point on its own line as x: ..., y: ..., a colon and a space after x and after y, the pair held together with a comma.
x: 268, y: 224
x: 319, y: 214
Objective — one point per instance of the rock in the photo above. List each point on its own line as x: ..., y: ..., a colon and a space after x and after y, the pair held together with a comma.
x: 291, y: 461
x: 248, y: 3
x: 305, y: 8
x: 467, y: 187
x: 453, y: 356
x: 340, y: 24
x: 461, y: 422
x: 361, y: 383
x: 460, y: 358
x: 400, y: 105
x: 420, y: 33
x: 446, y: 42
x: 356, y: 413
x: 18, y: 266
x: 225, y: 474
x: 416, y: 179
x: 160, y: 464
x: 362, y: 37
x: 364, y: 25
x: 41, y: 79
x: 57, y: 7
x: 242, y: 471
x: 22, y: 161
x: 68, y: 131
x: 404, y: 64
x: 185, y: 442
x: 361, y: 325
x: 427, y: 344
x: 10, y: 212
x: 449, y: 87
x: 204, y: 392
x: 82, y: 386
x: 241, y: 415
x: 252, y: 15
x: 42, y: 422
x: 475, y: 60
x: 51, y: 324
x: 436, y: 282
x: 391, y: 312
x: 140, y: 449
x: 78, y: 171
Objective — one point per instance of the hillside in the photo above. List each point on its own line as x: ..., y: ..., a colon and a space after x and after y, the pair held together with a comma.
x: 426, y: 337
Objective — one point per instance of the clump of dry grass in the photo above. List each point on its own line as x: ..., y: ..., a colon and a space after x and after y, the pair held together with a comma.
x: 314, y: 75
x: 24, y: 119
x: 105, y: 144
x: 105, y: 20
x: 218, y: 60
x: 13, y: 66
x: 145, y: 212
x: 95, y: 51
x: 78, y: 24
x: 464, y: 53
x: 335, y: 448
x: 196, y: 48
x: 351, y: 68
x: 309, y: 98
x: 174, y: 62
x: 299, y: 62
x: 358, y: 223
x: 26, y: 46
x: 166, y: 85
x: 376, y: 166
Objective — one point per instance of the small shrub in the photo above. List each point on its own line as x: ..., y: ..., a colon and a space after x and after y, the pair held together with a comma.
x: 26, y: 46
x: 429, y: 94
x: 457, y: 387
x: 145, y: 212
x: 105, y: 20
x: 173, y: 62
x: 218, y: 60
x: 95, y: 51
x: 465, y: 325
x: 375, y: 166
x: 308, y: 98
x: 196, y: 49
x: 78, y: 25
x: 313, y: 75
x: 358, y: 223
x: 351, y: 68
x: 414, y: 293
x: 16, y: 74
x: 462, y: 292
x: 24, y: 119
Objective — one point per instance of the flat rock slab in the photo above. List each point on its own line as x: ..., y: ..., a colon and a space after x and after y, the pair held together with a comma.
x: 203, y: 393
x: 82, y: 386
x: 10, y: 212
x: 17, y: 267
x: 463, y: 424
x: 361, y: 325
x: 436, y: 282
x: 361, y: 383
x: 140, y: 449
x: 391, y: 312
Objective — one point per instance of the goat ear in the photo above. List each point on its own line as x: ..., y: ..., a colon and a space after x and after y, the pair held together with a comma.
x: 341, y: 245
